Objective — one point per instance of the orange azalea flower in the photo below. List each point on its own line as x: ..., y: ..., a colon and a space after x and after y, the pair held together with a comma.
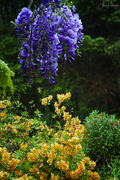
x: 53, y: 177
x: 13, y: 163
x: 92, y: 164
x: 23, y: 146
x: 3, y: 115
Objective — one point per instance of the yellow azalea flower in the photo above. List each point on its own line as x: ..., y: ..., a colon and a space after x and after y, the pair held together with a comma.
x: 57, y: 110
x: 74, y: 174
x: 63, y: 108
x: 23, y: 146
x: 33, y: 155
x: 73, y: 122
x: 93, y: 175
x: 86, y: 160
x: 22, y: 160
x: 5, y: 157
x: 18, y: 173
x: 54, y: 146
x: 53, y: 177
x: 56, y: 104
x: 42, y: 176
x: 89, y: 178
x: 60, y: 98
x: 62, y: 178
x: 78, y: 147
x: 3, y: 175
x: 51, y: 157
x: 12, y: 164
x: 81, y: 168
x: 74, y: 140
x: 67, y: 95
x: 27, y: 127
x: 3, y: 115
x: 63, y: 165
x: 92, y: 164
x: 34, y: 169
x: 49, y: 97
x: 44, y: 101
x: 66, y: 116
x: 16, y: 117
x: 24, y: 177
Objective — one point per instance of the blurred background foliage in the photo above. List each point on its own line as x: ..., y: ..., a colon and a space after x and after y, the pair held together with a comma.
x: 93, y: 79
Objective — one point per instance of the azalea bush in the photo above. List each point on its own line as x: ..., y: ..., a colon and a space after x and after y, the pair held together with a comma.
x: 49, y: 153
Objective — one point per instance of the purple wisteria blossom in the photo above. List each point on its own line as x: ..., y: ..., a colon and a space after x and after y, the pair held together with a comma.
x: 23, y: 23
x: 70, y: 27
x: 48, y: 36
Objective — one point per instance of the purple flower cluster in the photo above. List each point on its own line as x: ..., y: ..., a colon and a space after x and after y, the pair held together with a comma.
x: 47, y: 37
x: 51, y: 1
x: 70, y: 27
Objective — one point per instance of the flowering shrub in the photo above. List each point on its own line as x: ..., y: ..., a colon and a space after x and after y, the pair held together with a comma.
x: 102, y: 138
x: 52, y: 33
x: 49, y: 154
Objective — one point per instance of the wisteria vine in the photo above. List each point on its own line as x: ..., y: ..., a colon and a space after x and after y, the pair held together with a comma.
x: 51, y: 34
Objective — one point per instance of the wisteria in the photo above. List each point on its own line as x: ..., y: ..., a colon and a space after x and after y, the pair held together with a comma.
x: 48, y: 37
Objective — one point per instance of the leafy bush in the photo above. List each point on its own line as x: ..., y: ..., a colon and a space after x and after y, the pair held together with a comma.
x: 102, y: 138
x: 5, y: 78
x: 50, y: 153
x: 115, y: 168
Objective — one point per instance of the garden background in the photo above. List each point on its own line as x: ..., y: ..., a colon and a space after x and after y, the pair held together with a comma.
x: 93, y: 78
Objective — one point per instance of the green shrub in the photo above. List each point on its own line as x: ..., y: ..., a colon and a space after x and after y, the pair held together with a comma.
x: 5, y: 78
x: 115, y: 168
x: 102, y: 139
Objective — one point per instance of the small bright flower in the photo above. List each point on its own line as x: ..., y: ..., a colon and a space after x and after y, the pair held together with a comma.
x: 33, y: 155
x: 67, y: 95
x: 12, y: 164
x: 60, y: 98
x: 27, y: 127
x: 66, y: 116
x: 56, y: 104
x: 44, y: 101
x: 23, y: 146
x: 78, y: 147
x: 75, y: 140
x: 3, y: 175
x: 63, y: 165
x: 63, y: 108
x: 3, y: 115
x: 53, y: 177
x: 86, y: 160
x: 57, y: 110
x: 49, y: 97
x: 92, y: 164
x: 5, y: 157
x: 18, y: 173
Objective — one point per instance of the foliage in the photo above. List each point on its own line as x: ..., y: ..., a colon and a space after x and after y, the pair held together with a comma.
x: 114, y: 168
x: 49, y: 153
x: 102, y: 138
x: 99, y: 21
x: 5, y: 78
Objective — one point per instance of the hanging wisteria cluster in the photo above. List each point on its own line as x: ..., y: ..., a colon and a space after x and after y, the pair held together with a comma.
x: 50, y: 35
